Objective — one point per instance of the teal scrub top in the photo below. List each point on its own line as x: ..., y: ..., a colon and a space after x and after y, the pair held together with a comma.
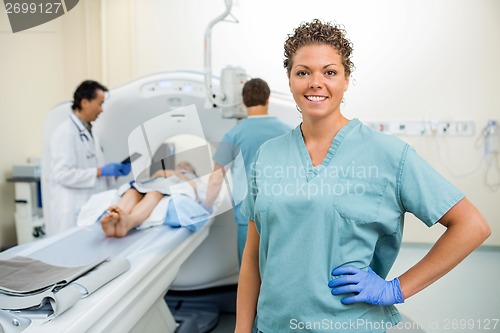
x: 246, y: 137
x: 349, y: 210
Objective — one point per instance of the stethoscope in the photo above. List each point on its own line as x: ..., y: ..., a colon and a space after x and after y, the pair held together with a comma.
x: 82, y: 131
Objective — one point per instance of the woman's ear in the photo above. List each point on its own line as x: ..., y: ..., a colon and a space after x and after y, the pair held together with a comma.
x: 347, y: 80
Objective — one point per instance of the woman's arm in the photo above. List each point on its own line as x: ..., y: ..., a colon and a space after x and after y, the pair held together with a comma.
x: 248, y: 282
x: 466, y: 230
x: 185, y: 178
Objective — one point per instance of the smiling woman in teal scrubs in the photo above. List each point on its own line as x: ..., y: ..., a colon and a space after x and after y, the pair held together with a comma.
x: 326, y: 206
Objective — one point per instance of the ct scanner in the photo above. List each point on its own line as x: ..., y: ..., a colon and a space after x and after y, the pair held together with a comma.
x: 167, y: 107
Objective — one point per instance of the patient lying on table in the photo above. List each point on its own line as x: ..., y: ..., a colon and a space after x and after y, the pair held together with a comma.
x: 137, y: 203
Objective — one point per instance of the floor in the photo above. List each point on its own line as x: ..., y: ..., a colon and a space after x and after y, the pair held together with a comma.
x: 200, y: 307
x: 226, y: 324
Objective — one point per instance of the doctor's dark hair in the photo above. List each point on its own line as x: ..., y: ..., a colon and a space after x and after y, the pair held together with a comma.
x: 317, y: 32
x: 86, y: 90
x: 255, y: 92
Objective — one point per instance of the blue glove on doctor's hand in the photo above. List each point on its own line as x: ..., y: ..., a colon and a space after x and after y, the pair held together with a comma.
x: 115, y: 169
x: 367, y: 285
x: 126, y: 167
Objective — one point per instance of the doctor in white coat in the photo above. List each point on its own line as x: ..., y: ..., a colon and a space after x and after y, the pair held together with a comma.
x: 77, y: 162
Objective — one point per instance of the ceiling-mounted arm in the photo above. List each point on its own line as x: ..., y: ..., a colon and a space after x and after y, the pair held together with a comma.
x: 215, y: 100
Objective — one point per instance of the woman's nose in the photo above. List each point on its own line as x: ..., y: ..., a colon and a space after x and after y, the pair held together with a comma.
x: 315, y: 81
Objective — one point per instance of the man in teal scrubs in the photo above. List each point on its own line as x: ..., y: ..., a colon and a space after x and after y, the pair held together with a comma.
x: 242, y: 142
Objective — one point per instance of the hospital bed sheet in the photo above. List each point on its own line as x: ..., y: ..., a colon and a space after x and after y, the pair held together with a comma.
x: 128, y: 302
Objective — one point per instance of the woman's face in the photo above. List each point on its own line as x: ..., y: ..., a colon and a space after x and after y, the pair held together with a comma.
x: 317, y: 80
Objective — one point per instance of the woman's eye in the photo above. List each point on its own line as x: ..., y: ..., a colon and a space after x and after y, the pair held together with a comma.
x: 301, y: 73
x: 331, y: 73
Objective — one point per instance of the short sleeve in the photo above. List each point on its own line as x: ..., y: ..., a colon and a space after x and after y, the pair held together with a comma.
x: 248, y: 205
x: 423, y: 191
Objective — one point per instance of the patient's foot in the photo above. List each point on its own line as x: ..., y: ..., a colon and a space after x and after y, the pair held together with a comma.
x: 124, y: 221
x: 109, y: 221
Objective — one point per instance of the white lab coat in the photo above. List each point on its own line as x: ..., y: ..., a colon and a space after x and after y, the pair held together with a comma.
x: 75, y: 156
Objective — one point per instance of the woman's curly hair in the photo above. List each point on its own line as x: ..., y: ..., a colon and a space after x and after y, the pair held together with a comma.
x: 320, y: 33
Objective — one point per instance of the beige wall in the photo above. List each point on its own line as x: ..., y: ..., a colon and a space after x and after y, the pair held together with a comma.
x: 31, y: 81
x: 416, y: 60
x: 39, y: 67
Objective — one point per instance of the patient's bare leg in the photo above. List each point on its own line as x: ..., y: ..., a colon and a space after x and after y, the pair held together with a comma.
x: 139, y: 213
x: 129, y: 199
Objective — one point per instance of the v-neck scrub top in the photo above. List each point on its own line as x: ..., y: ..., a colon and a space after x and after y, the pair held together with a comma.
x: 349, y: 210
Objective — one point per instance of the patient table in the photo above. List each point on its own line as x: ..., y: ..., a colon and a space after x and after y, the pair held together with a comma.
x: 132, y: 302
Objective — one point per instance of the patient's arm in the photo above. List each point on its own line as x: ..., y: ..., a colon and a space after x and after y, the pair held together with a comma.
x: 163, y: 173
x: 167, y: 173
x: 185, y: 178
